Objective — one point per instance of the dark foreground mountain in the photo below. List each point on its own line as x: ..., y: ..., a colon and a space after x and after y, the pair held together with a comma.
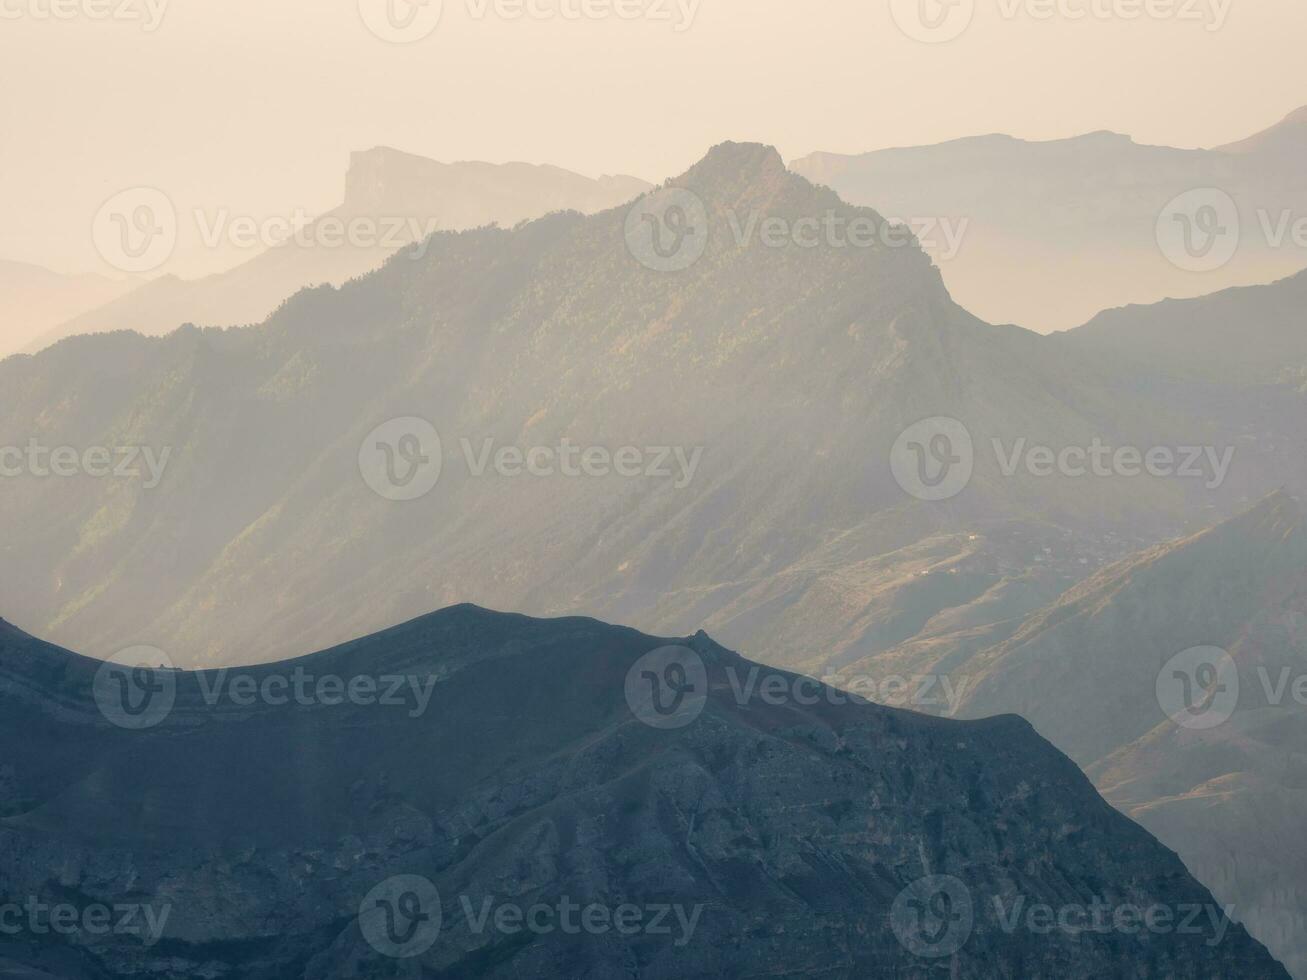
x: 545, y: 810
x: 1178, y: 680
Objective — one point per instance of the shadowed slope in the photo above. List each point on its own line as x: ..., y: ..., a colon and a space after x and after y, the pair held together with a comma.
x: 791, y: 825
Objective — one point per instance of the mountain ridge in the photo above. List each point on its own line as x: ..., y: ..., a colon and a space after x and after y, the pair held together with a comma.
x: 34, y: 299
x: 1252, y: 333
x: 395, y: 193
x: 528, y: 335
x: 811, y: 817
x: 1290, y: 133
x: 1057, y: 231
x: 1090, y: 671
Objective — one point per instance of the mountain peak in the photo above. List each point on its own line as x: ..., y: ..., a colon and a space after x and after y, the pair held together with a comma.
x: 737, y: 162
x: 1102, y: 136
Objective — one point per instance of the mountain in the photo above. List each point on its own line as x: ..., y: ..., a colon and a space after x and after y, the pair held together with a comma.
x: 383, y: 181
x: 399, y: 443
x: 1228, y: 798
x: 375, y: 450
x: 1252, y: 334
x: 34, y: 300
x: 1047, y: 234
x: 392, y: 199
x: 1286, y: 140
x: 324, y: 835
x: 1087, y: 669
x: 1125, y: 623
x: 783, y: 377
x: 760, y: 393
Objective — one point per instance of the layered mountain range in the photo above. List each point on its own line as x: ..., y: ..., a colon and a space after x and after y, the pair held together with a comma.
x: 330, y: 836
x: 759, y: 396
x: 761, y: 389
x: 1047, y: 234
x: 393, y: 198
x: 35, y: 300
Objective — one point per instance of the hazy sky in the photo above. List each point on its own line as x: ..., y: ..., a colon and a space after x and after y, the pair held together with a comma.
x: 254, y: 105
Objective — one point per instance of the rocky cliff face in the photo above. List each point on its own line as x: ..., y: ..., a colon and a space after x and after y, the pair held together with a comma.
x: 567, y: 799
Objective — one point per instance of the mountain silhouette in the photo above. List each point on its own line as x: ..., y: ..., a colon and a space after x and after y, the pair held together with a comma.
x: 530, y: 777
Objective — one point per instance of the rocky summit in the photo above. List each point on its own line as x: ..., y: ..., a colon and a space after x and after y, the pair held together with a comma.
x: 475, y: 794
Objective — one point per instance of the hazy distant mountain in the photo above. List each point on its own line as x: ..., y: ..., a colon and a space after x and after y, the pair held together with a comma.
x: 791, y: 839
x: 1057, y: 231
x: 1255, y: 334
x: 1284, y: 143
x: 405, y: 195
x: 1085, y: 671
x: 34, y: 300
x: 467, y: 195
x: 783, y: 375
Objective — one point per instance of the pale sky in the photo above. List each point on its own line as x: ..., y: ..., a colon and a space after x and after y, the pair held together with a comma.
x: 255, y: 105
